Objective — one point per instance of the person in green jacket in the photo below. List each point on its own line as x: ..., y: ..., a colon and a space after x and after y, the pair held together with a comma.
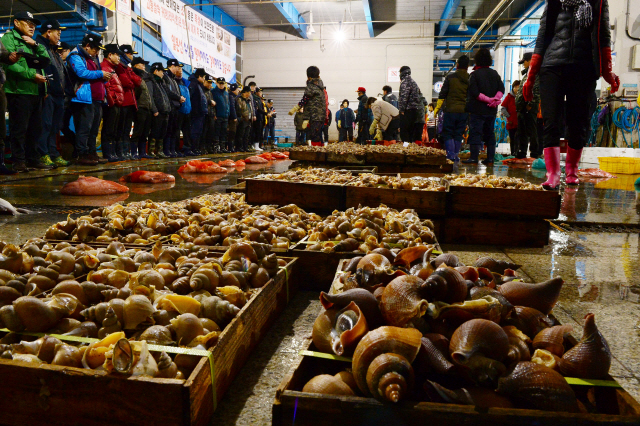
x: 22, y: 90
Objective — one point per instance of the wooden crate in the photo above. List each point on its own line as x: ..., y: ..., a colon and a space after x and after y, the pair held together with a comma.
x: 491, y: 231
x: 425, y: 203
x: 356, y: 170
x: 240, y: 187
x: 320, y: 157
x: 425, y: 160
x: 333, y: 157
x: 308, y: 196
x: 294, y: 407
x: 507, y: 203
x: 55, y: 395
x: 385, y: 158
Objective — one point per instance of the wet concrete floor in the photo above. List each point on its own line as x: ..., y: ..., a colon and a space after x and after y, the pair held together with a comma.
x: 601, y: 269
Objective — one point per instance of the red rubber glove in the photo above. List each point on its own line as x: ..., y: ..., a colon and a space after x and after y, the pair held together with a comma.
x: 534, y: 68
x: 607, y: 73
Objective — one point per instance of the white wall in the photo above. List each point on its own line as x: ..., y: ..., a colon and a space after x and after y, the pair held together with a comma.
x: 280, y: 60
x: 622, y: 45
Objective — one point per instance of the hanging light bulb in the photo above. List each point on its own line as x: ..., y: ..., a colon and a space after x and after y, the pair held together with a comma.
x: 447, y: 51
x: 310, y: 29
x: 463, y: 25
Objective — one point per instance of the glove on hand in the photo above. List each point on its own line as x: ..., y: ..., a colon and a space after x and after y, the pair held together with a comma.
x: 378, y: 136
x: 534, y: 68
x: 305, y: 123
x: 294, y: 110
x: 372, y: 128
x: 606, y: 70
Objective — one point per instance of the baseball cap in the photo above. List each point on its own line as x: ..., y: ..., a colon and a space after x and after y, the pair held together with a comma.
x: 138, y: 60
x: 92, y: 40
x: 258, y: 89
x: 208, y: 78
x: 175, y: 62
x: 63, y: 45
x: 220, y: 80
x: 233, y: 86
x: 156, y: 66
x: 269, y: 101
x: 112, y: 48
x: 199, y: 72
x: 526, y: 57
x: 51, y: 24
x: 246, y: 89
x: 26, y: 16
x: 361, y: 89
x: 126, y: 48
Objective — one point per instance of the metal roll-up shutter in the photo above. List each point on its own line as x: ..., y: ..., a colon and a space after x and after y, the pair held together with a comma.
x: 283, y: 100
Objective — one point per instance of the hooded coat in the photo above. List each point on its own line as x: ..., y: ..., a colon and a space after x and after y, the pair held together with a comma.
x: 410, y: 97
x: 314, y: 101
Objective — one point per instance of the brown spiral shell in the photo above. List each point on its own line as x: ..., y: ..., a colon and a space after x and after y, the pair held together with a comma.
x: 590, y: 358
x: 542, y: 296
x: 552, y: 339
x: 401, y: 302
x: 531, y: 385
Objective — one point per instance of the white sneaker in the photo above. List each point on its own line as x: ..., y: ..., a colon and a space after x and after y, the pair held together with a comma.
x: 256, y: 146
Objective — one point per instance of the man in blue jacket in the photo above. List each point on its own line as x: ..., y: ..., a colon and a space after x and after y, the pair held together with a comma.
x: 88, y: 80
x: 199, y: 107
x: 345, y: 122
x: 178, y: 98
x: 53, y: 104
x: 221, y: 98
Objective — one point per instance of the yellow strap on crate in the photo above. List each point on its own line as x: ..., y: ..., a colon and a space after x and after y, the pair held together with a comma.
x: 571, y: 380
x: 158, y: 348
x: 286, y: 279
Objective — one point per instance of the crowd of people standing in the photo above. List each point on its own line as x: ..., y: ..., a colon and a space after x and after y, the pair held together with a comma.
x: 49, y: 86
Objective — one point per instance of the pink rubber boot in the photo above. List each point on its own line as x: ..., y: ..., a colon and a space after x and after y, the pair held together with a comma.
x: 571, y: 165
x: 552, y: 161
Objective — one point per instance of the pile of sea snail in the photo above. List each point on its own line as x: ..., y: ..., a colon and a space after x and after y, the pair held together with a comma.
x: 129, y: 298
x: 353, y: 148
x: 368, y: 229
x: 416, y: 183
x: 491, y: 181
x: 436, y: 330
x: 310, y: 175
x: 209, y: 220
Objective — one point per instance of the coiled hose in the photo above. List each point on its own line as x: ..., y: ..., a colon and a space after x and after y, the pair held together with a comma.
x: 627, y: 120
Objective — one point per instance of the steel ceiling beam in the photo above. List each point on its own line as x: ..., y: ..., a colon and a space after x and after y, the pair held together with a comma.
x: 291, y: 14
x: 491, y: 19
x: 447, y: 13
x: 366, y: 4
x: 521, y: 19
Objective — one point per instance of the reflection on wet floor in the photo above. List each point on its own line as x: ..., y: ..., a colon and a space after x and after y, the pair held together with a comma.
x: 600, y: 269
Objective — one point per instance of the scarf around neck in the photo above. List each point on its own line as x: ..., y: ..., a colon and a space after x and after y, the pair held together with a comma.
x: 583, y: 13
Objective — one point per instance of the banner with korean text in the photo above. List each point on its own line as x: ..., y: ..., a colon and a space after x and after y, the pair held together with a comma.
x: 196, y: 41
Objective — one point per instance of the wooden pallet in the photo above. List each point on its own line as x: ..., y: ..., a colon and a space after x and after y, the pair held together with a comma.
x: 505, y: 203
x: 55, y: 395
x: 308, y: 196
x: 320, y: 157
x: 492, y: 231
x: 293, y: 407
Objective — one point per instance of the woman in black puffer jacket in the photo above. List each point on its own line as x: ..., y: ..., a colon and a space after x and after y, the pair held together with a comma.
x: 573, y: 50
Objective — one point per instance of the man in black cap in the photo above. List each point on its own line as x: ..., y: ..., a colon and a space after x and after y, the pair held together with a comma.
x: 163, y: 105
x: 199, y: 107
x: 244, y: 111
x: 177, y: 99
x: 23, y: 92
x: 88, y: 80
x: 53, y: 104
x: 527, y: 114
x: 261, y: 118
x: 270, y: 129
x: 207, y: 143
x: 234, y: 91
x: 130, y: 82
x: 146, y: 108
x: 221, y: 98
x: 64, y: 49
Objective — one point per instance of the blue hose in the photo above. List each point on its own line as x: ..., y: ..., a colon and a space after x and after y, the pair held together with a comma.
x: 595, y: 125
x: 627, y: 120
